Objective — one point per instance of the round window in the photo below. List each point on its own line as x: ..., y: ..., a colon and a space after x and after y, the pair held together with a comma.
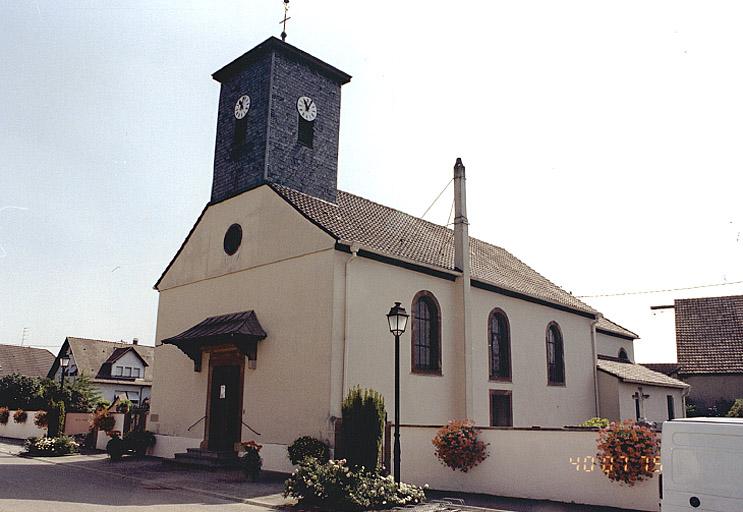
x: 232, y: 239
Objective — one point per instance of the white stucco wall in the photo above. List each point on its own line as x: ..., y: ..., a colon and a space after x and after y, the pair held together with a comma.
x: 550, y: 465
x: 283, y: 271
x: 610, y: 345
x: 108, y: 391
x: 654, y: 408
x: 23, y: 430
x: 128, y: 360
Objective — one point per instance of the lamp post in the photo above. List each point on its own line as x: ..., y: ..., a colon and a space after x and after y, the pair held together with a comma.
x: 64, y: 362
x: 398, y: 319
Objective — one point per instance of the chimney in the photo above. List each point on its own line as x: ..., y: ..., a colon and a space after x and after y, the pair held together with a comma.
x: 135, y: 341
x: 462, y: 263
x: 461, y: 232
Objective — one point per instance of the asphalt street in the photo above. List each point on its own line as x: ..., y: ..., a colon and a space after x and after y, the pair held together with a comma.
x: 28, y: 485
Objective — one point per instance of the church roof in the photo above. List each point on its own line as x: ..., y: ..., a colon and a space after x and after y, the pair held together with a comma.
x: 31, y: 362
x: 638, y: 374
x: 399, y: 235
x: 606, y: 326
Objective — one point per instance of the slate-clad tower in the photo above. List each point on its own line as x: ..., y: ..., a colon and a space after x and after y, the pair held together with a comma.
x: 278, y: 122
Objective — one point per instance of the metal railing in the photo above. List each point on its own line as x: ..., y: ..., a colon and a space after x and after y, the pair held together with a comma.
x: 196, y: 423
x: 251, y: 428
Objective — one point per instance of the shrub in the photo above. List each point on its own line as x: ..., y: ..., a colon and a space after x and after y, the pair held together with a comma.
x: 458, y: 446
x: 115, y: 448
x: 307, y: 446
x: 21, y: 392
x: 595, y: 422
x: 4, y: 415
x: 251, y: 462
x: 51, y: 446
x: 20, y: 416
x: 104, y: 421
x: 101, y: 405
x: 363, y: 427
x: 55, y: 418
x: 736, y: 410
x: 124, y: 406
x: 629, y: 452
x: 41, y: 419
x: 138, y: 442
x: 335, y: 486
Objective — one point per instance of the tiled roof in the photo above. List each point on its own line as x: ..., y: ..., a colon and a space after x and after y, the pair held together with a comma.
x: 638, y: 374
x: 403, y: 236
x: 90, y: 355
x: 664, y: 368
x: 604, y: 324
x: 244, y: 323
x: 31, y: 362
x: 709, y: 334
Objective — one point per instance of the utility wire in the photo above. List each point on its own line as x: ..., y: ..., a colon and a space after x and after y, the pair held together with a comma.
x: 437, y: 198
x: 658, y: 291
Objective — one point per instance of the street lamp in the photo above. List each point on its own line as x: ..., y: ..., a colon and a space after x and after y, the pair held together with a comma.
x: 64, y: 362
x: 398, y: 320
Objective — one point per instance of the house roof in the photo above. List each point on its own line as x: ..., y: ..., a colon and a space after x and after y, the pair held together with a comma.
x: 709, y: 334
x: 119, y: 352
x: 90, y: 355
x: 664, y: 368
x: 638, y: 374
x: 409, y: 238
x: 31, y: 362
x: 606, y: 326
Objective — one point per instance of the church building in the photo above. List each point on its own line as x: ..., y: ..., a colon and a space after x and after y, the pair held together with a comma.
x: 274, y: 306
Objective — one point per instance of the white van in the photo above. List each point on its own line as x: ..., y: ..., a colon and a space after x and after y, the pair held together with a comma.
x: 702, y: 465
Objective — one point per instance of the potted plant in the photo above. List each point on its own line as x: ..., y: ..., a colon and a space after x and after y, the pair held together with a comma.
x: 20, y: 416
x: 251, y: 461
x: 139, y: 442
x: 4, y: 415
x: 115, y: 448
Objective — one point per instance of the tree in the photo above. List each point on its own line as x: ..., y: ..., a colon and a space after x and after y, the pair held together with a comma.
x: 736, y: 411
x: 21, y: 392
x: 362, y: 428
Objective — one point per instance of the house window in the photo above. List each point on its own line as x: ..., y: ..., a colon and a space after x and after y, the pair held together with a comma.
x: 119, y: 371
x: 499, y: 346
x: 127, y: 371
x: 555, y: 356
x: 426, y: 335
x: 501, y: 414
x: 135, y: 372
x: 671, y: 409
x: 623, y: 356
x: 133, y: 396
x: 306, y: 132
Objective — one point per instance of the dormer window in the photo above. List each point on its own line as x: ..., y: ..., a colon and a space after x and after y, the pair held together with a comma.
x: 135, y: 373
x: 118, y: 371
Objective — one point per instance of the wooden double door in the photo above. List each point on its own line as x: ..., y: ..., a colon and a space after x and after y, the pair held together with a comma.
x: 224, y: 408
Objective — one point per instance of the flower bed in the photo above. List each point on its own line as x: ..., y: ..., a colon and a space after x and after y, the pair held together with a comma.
x: 334, y: 486
x: 51, y: 446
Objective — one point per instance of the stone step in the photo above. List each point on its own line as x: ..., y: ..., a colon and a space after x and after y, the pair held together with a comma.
x: 198, y: 452
x: 205, y: 459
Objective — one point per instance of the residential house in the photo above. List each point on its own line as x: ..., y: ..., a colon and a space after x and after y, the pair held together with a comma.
x: 117, y: 369
x: 274, y: 306
x: 28, y: 361
x: 709, y: 347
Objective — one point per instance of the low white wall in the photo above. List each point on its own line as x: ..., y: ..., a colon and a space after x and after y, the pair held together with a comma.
x: 24, y: 430
x: 77, y: 423
x: 102, y: 438
x: 167, y: 446
x: 552, y: 465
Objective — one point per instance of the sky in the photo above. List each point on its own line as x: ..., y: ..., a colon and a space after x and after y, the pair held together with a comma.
x: 602, y: 142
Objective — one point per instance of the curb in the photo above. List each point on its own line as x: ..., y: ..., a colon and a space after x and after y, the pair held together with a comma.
x: 228, y: 497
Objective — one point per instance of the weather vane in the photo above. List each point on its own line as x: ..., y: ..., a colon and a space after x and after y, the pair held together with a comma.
x: 286, y: 18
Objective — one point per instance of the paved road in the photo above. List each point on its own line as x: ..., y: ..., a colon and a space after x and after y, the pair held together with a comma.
x: 28, y: 485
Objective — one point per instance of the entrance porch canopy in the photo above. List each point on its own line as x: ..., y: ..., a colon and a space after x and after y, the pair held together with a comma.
x: 239, y: 329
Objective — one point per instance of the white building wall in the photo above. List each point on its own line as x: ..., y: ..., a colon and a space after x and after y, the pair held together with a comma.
x: 653, y: 408
x: 611, y: 345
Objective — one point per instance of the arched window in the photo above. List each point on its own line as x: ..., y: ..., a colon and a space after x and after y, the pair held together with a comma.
x: 426, y: 334
x: 499, y: 346
x: 555, y: 356
x: 623, y: 356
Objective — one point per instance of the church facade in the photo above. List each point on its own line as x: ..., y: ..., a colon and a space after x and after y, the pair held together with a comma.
x: 275, y: 304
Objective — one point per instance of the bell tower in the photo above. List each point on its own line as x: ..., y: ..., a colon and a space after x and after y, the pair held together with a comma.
x: 278, y: 122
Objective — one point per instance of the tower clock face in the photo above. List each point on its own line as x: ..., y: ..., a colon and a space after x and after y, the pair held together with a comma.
x: 307, y: 108
x: 242, y: 106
